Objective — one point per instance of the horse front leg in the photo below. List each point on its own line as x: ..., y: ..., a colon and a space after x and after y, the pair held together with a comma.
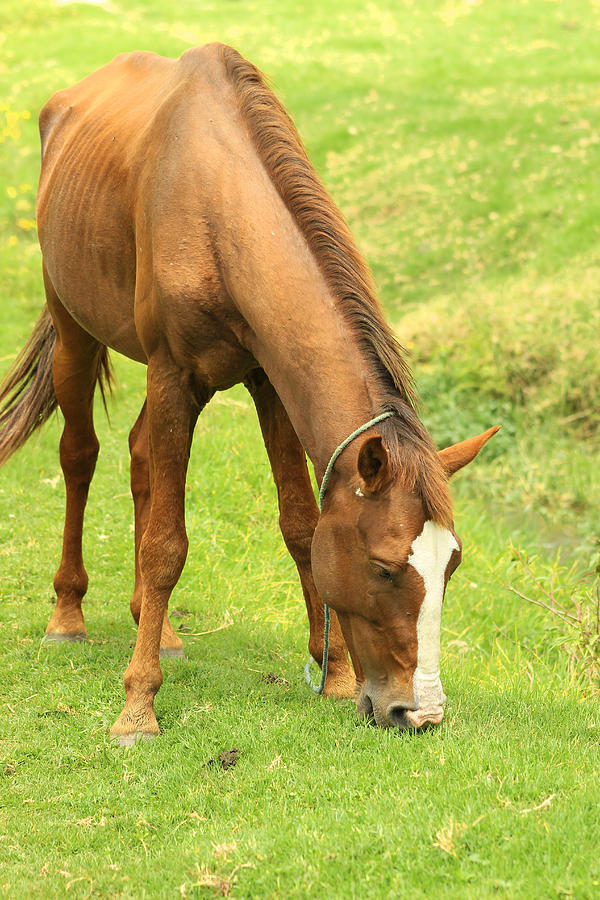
x: 298, y: 516
x: 170, y: 643
x: 172, y: 411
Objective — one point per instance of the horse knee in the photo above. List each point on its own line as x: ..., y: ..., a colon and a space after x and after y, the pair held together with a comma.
x: 297, y: 533
x: 162, y: 556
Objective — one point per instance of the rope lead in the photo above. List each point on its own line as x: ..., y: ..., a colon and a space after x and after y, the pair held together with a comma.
x: 318, y: 688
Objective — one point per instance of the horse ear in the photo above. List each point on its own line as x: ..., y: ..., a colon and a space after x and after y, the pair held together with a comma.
x: 459, y: 455
x: 373, y: 464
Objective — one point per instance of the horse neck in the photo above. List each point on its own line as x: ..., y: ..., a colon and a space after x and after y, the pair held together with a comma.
x: 295, y: 329
x: 313, y: 361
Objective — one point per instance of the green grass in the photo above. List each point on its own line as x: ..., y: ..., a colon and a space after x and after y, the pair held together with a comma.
x: 462, y: 142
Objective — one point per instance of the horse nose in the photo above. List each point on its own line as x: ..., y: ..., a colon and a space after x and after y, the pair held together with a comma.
x: 422, y: 718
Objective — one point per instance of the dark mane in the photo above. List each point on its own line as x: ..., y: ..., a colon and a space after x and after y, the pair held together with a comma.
x: 415, y: 461
x: 327, y: 234
x: 281, y: 150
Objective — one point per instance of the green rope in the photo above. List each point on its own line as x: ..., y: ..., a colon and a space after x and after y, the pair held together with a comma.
x: 318, y: 688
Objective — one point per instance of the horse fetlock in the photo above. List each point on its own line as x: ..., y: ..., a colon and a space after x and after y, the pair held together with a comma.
x: 142, y: 683
x: 340, y: 682
x: 70, y: 585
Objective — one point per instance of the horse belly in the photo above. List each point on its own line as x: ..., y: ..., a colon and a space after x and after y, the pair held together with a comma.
x: 96, y: 288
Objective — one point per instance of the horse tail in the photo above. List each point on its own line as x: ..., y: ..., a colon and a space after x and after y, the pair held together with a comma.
x: 27, y: 397
x: 27, y: 394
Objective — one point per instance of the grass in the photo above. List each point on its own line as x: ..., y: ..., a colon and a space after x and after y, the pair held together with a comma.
x: 462, y: 141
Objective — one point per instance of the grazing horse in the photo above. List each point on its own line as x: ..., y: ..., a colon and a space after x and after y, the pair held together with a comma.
x: 182, y: 225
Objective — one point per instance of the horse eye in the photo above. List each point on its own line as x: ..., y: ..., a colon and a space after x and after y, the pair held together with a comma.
x: 381, y: 572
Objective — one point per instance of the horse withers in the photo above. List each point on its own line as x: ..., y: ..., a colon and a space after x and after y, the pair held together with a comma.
x: 182, y: 225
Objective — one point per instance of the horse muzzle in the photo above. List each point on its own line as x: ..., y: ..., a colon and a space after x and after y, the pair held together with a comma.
x: 398, y: 716
x: 398, y: 709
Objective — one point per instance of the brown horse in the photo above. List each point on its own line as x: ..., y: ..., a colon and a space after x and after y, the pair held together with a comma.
x: 182, y: 224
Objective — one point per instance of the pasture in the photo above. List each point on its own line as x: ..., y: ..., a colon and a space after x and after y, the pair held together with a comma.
x: 461, y: 140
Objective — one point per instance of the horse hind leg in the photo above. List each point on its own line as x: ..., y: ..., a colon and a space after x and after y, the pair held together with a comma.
x: 298, y: 516
x: 170, y: 643
x: 76, y: 367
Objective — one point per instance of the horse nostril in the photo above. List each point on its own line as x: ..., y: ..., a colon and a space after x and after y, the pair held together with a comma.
x: 396, y: 715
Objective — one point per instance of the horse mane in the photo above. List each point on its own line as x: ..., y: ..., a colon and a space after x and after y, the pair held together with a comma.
x: 415, y: 460
x: 285, y: 159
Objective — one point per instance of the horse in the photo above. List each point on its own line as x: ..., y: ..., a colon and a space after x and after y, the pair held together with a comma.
x: 182, y: 225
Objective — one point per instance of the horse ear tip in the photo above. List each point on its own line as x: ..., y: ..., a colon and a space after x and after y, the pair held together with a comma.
x: 485, y: 437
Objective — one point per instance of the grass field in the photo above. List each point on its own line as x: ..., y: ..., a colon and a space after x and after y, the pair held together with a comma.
x: 462, y: 142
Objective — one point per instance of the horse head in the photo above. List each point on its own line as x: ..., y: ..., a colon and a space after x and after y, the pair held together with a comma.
x: 383, y: 563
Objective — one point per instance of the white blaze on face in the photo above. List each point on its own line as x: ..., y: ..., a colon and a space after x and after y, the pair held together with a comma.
x: 431, y: 552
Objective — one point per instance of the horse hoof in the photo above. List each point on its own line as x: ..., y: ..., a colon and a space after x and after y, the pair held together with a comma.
x: 131, y: 739
x: 58, y: 637
x: 172, y: 652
